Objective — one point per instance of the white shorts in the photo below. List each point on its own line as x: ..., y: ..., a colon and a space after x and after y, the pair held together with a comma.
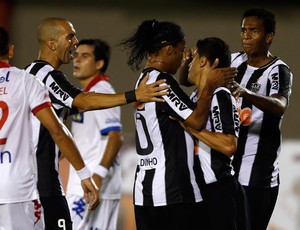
x: 22, y: 216
x: 104, y: 217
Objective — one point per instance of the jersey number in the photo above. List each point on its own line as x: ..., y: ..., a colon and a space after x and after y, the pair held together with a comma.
x: 4, y: 116
x: 141, y: 122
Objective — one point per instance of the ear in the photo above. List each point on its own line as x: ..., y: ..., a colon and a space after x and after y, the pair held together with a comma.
x: 99, y: 64
x: 169, y: 49
x: 269, y: 38
x: 11, y: 51
x: 203, y: 61
x: 51, y: 45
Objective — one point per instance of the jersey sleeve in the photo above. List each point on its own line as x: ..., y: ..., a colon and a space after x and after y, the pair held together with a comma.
x: 281, y: 81
x: 107, y: 119
x: 38, y: 94
x: 177, y: 102
x: 223, y: 115
x: 62, y: 91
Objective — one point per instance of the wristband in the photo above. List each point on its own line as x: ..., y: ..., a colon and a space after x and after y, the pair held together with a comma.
x: 130, y: 96
x: 101, y: 171
x: 84, y: 173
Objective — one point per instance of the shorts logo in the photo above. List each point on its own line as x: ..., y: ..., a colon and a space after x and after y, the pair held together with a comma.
x: 38, y: 211
x: 79, y: 207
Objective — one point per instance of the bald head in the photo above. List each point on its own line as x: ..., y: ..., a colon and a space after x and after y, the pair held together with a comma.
x: 57, y: 39
x: 50, y: 29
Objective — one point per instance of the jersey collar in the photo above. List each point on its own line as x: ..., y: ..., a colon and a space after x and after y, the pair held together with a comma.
x: 4, y: 64
x: 96, y: 80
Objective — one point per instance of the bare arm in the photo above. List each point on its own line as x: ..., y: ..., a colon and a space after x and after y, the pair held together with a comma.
x: 223, y: 143
x: 63, y: 139
x: 211, y: 78
x: 115, y: 141
x: 275, y: 104
x: 144, y: 93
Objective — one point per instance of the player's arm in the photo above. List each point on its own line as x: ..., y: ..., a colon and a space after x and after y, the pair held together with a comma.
x: 144, y: 93
x: 223, y: 143
x: 211, y: 78
x: 63, y: 139
x: 114, y: 143
x: 275, y: 104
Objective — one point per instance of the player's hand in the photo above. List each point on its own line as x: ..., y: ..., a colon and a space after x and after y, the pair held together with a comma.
x: 152, y: 92
x: 98, y: 180
x: 188, y: 54
x: 91, y: 193
x: 236, y: 89
x: 214, y: 77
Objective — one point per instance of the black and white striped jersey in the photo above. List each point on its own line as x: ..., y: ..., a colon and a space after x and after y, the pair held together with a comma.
x: 165, y: 152
x: 259, y: 145
x: 62, y: 93
x: 223, y: 118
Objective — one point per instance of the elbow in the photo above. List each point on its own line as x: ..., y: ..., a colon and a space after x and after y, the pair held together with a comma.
x: 84, y: 102
x: 229, y: 150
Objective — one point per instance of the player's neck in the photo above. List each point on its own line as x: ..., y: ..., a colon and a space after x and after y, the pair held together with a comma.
x: 54, y: 62
x: 157, y: 64
x: 84, y: 82
x: 259, y: 60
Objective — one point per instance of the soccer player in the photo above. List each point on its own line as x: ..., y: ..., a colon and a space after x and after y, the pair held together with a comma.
x: 262, y: 87
x: 223, y: 195
x: 98, y: 135
x: 57, y: 40
x: 166, y: 195
x: 22, y: 94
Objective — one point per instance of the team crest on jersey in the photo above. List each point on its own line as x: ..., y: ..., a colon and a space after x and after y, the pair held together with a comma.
x: 255, y: 87
x: 78, y: 117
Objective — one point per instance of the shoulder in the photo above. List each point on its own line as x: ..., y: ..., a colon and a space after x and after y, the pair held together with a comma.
x: 57, y: 73
x: 222, y: 91
x: 21, y: 74
x: 102, y: 87
x: 238, y: 57
x: 281, y: 63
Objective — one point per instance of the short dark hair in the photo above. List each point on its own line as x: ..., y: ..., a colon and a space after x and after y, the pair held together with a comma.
x: 4, y: 42
x: 267, y: 16
x: 101, y: 50
x: 212, y: 48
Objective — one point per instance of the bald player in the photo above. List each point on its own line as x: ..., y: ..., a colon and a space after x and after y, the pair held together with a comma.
x: 24, y: 95
x: 57, y: 40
